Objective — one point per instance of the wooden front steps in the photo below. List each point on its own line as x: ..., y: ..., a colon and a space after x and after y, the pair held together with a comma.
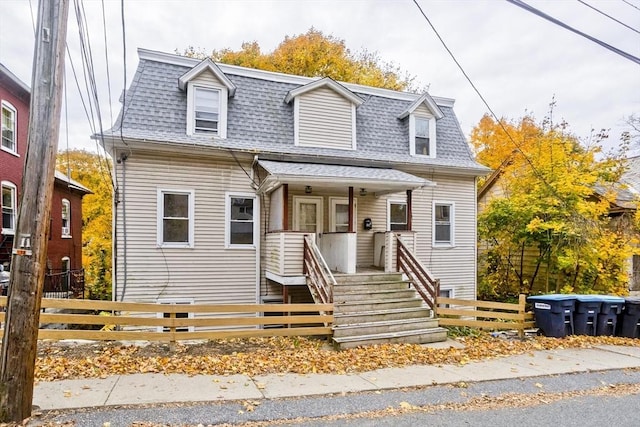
x: 379, y: 308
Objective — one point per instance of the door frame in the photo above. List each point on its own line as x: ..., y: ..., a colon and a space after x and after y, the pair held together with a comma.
x: 318, y: 201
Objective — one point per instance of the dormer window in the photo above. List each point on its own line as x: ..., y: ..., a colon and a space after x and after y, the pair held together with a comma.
x: 207, y: 110
x: 208, y: 90
x: 422, y: 113
x: 421, y: 138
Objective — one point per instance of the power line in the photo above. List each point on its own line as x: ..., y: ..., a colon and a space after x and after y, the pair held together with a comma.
x: 608, y: 16
x: 493, y: 114
x: 541, y: 14
x: 631, y: 4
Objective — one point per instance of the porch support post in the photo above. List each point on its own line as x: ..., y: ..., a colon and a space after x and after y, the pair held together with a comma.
x: 351, y: 210
x: 285, y: 207
x: 409, y: 210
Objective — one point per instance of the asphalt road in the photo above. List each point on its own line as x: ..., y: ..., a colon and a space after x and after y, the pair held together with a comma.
x: 609, y: 407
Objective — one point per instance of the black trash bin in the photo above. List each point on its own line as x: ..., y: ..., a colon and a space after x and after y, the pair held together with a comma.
x: 630, y: 319
x: 585, y: 316
x: 554, y: 314
x: 608, y: 317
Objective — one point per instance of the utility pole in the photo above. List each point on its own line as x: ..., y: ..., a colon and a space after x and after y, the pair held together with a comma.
x: 20, y: 340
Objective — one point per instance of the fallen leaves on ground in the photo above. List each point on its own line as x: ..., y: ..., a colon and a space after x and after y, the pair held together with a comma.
x: 257, y: 356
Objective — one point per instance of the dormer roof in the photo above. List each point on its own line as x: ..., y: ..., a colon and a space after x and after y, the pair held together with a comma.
x: 428, y: 101
x: 203, y: 66
x: 328, y: 83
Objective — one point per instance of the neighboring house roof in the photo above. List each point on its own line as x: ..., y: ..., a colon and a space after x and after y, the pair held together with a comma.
x: 71, y: 183
x: 260, y: 122
x: 372, y: 179
x: 7, y: 75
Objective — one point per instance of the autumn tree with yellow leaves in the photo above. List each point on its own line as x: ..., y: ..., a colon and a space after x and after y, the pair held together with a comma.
x: 315, y: 54
x: 545, y: 225
x: 93, y: 171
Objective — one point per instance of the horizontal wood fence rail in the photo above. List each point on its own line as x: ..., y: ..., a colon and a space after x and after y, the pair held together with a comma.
x: 145, y: 320
x: 469, y: 312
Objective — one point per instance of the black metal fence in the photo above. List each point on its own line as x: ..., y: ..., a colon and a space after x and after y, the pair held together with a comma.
x: 64, y: 284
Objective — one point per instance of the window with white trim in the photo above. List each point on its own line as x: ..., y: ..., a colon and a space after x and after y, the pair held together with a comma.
x: 9, y: 207
x: 175, y: 218
x: 9, y: 141
x: 443, y: 224
x: 206, y: 110
x: 66, y: 218
x: 422, y: 135
x: 178, y: 315
x: 241, y: 220
x: 397, y: 215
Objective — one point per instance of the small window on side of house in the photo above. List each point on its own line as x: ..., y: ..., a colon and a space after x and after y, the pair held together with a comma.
x: 398, y: 216
x: 241, y: 210
x: 9, y: 138
x: 9, y: 207
x: 421, y: 139
x: 443, y: 224
x: 66, y: 218
x: 175, y: 218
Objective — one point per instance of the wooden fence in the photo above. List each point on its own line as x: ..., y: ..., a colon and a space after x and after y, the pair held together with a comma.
x: 108, y: 320
x: 484, y: 314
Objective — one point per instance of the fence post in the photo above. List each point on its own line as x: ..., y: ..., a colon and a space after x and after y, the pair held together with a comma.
x: 522, y: 300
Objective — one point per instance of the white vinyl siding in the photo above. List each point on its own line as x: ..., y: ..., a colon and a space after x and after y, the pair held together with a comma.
x: 325, y: 119
x: 207, y: 273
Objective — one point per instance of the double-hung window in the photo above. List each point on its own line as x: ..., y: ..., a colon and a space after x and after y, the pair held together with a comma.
x: 242, y: 214
x: 443, y: 224
x: 397, y: 216
x: 9, y: 207
x: 206, y: 110
x: 175, y: 218
x: 9, y: 141
x: 66, y: 218
x: 422, y: 136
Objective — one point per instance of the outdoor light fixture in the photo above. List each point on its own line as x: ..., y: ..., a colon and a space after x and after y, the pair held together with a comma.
x: 307, y: 189
x: 363, y: 192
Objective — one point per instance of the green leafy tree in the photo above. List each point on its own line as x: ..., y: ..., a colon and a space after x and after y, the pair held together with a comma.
x: 547, y: 228
x: 93, y: 171
x: 315, y: 54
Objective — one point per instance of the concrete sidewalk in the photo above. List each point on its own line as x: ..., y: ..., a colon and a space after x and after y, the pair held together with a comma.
x: 175, y: 388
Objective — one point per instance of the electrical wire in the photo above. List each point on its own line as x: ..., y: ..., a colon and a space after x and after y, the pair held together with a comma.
x: 608, y: 16
x: 631, y: 4
x: 543, y: 15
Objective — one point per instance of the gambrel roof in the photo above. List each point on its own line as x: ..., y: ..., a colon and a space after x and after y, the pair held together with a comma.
x: 259, y: 121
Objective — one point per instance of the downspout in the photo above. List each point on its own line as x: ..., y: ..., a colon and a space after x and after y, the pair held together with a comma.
x: 123, y: 159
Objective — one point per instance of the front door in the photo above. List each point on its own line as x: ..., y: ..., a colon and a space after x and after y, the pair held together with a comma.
x: 307, y: 214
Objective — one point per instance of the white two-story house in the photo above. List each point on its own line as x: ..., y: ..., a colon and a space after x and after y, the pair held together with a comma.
x: 222, y: 171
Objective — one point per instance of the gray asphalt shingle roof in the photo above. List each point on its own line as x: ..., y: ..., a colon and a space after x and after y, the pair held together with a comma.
x: 260, y: 120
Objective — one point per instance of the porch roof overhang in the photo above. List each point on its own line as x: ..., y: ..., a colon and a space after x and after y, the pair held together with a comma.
x: 374, y: 180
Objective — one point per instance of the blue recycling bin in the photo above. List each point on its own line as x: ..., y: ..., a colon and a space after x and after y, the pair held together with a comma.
x: 585, y: 316
x: 630, y: 318
x: 554, y: 314
x: 610, y: 309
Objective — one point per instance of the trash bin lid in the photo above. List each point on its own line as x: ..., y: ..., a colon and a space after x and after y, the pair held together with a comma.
x: 589, y: 298
x: 632, y: 300
x: 611, y: 299
x: 553, y: 297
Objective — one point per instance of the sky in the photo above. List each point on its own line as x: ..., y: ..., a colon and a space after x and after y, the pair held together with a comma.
x: 518, y: 61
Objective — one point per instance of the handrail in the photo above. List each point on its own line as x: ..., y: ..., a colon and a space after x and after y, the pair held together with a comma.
x: 321, y: 282
x: 427, y: 286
